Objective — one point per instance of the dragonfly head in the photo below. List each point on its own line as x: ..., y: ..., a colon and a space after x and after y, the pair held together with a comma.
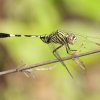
x: 71, y: 38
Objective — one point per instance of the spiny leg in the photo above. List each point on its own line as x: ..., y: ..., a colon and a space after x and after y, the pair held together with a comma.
x: 60, y: 60
x: 68, y: 48
x: 76, y: 59
x: 78, y: 62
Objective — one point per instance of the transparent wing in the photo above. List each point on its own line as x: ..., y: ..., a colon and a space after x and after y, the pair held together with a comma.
x: 94, y: 39
x: 87, y: 42
x: 84, y: 43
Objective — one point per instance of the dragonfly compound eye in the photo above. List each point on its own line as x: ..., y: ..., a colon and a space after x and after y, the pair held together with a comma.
x: 71, y: 38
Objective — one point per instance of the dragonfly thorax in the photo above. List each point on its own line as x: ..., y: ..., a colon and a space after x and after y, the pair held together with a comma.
x: 59, y: 37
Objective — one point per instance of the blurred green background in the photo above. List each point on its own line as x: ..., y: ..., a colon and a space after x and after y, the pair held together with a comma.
x: 39, y: 17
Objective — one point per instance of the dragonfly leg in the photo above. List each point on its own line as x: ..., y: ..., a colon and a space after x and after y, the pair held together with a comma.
x: 57, y: 48
x: 68, y: 49
x: 60, y: 59
x: 76, y: 59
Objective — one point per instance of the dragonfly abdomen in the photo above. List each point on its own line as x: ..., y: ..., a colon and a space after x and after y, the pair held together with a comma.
x: 5, y: 35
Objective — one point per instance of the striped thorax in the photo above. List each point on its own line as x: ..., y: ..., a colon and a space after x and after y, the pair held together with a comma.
x: 59, y: 37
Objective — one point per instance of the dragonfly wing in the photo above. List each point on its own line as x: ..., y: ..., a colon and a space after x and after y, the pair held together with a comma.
x: 89, y: 42
x: 95, y: 39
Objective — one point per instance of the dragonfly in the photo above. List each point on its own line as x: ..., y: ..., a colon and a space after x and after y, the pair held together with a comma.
x: 58, y: 37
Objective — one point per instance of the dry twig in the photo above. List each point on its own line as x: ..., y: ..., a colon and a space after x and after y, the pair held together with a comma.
x: 46, y: 63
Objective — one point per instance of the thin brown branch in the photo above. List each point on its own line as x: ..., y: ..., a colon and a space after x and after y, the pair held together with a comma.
x: 46, y: 63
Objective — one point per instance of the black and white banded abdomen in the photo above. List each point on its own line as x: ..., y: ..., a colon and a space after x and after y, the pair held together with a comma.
x: 5, y: 35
